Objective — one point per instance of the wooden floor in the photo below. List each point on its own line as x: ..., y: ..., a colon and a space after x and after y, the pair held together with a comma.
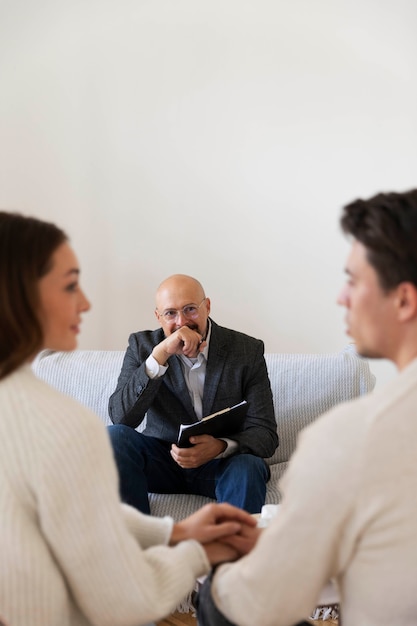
x: 187, y: 619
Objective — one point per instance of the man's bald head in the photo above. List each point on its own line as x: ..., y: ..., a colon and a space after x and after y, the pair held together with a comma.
x: 177, y: 296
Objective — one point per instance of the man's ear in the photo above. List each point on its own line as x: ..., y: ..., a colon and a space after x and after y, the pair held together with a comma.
x: 406, y: 301
x: 157, y: 315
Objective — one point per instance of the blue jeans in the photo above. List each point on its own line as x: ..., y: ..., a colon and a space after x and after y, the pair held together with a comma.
x: 145, y: 465
x: 207, y: 612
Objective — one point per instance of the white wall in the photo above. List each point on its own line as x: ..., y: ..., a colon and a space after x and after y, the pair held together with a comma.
x: 217, y: 138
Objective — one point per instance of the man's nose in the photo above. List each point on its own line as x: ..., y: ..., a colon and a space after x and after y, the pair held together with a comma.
x: 342, y: 297
x: 181, y: 319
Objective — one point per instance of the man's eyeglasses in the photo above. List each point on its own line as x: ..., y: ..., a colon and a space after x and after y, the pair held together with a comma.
x: 190, y: 312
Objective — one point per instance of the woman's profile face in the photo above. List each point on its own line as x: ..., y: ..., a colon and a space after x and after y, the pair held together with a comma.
x: 61, y: 301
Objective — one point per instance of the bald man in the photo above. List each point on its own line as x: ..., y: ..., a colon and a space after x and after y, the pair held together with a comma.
x: 188, y: 368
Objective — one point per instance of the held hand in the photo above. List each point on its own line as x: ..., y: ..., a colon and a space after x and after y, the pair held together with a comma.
x: 213, y: 522
x: 232, y: 547
x: 218, y: 552
x: 182, y: 341
x: 244, y: 541
x: 205, y: 449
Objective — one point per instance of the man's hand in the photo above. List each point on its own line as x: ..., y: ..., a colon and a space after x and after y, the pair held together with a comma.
x: 205, y: 449
x: 182, y: 341
x: 232, y: 547
x: 244, y: 541
x: 218, y: 552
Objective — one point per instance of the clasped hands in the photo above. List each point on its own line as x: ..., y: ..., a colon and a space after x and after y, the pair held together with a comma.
x: 225, y: 531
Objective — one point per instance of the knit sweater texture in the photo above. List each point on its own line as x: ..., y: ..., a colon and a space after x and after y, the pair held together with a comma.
x: 71, y: 553
x: 349, y: 512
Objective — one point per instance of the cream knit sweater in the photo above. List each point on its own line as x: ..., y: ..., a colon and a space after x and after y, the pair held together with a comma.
x: 349, y: 511
x: 70, y: 553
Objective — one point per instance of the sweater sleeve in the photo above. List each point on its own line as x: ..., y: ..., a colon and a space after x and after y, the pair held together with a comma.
x: 113, y: 558
x: 146, y: 529
x: 301, y: 548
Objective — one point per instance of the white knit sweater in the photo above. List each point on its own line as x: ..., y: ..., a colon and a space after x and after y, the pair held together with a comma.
x: 349, y: 511
x: 70, y: 553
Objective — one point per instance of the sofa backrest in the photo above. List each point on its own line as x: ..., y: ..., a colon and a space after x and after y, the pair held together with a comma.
x: 303, y: 385
x: 90, y: 376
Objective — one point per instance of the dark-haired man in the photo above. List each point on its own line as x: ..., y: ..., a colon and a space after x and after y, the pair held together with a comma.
x: 189, y: 368
x: 349, y: 510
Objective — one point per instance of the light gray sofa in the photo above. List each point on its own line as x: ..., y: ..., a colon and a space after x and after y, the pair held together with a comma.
x: 304, y: 386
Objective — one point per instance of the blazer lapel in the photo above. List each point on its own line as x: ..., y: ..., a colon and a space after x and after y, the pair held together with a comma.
x: 175, y: 381
x: 215, y: 364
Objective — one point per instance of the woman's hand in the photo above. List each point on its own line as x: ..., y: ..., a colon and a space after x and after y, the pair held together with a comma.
x: 214, y: 522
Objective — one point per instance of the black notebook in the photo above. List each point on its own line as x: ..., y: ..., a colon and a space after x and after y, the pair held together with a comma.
x: 220, y: 424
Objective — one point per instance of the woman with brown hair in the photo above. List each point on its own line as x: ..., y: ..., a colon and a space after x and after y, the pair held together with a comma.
x: 71, y: 553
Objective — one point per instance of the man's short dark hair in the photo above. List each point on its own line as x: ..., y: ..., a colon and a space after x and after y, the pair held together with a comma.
x: 386, y: 225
